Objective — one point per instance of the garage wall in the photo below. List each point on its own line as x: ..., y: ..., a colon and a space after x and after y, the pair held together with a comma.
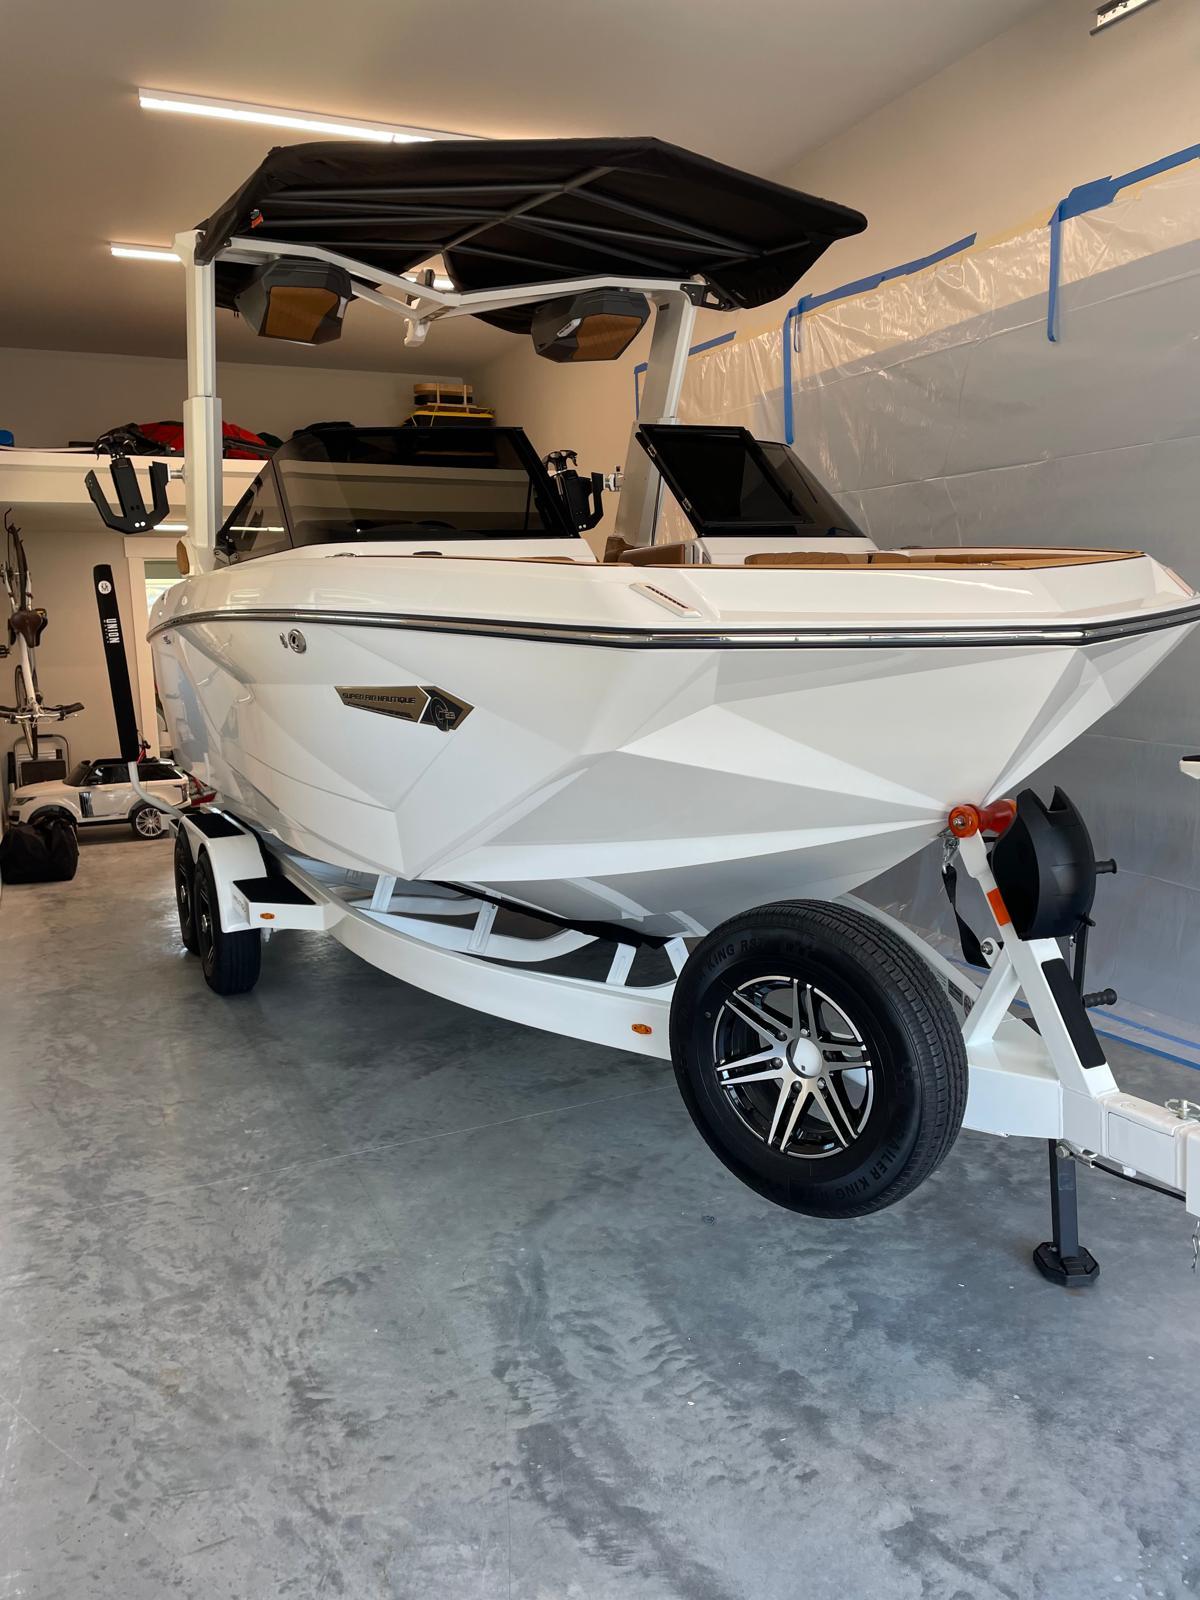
x: 986, y: 146
x: 48, y: 397
x: 997, y: 139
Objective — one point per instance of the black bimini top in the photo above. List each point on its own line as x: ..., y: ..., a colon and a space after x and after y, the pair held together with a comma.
x: 509, y: 212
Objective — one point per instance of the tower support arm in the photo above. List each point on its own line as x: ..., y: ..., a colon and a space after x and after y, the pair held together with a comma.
x: 203, y: 444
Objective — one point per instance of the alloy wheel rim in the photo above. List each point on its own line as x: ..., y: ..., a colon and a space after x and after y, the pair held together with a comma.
x: 149, y: 824
x: 793, y: 1067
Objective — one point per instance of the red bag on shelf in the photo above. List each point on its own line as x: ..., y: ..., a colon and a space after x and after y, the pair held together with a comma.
x: 166, y: 439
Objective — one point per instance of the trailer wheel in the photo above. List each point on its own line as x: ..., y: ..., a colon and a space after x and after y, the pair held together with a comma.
x: 818, y: 1057
x: 185, y: 893
x: 230, y: 961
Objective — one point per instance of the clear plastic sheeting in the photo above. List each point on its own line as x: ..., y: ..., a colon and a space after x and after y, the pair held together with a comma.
x: 1168, y: 1036
x: 735, y: 383
x: 738, y: 383
x: 939, y: 411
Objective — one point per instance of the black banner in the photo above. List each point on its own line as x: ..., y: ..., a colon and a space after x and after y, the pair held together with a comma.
x: 115, y: 661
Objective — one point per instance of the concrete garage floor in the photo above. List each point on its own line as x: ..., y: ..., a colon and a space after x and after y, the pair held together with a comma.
x: 337, y: 1289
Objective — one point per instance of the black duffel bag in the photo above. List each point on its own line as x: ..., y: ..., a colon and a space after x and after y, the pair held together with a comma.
x: 39, y: 852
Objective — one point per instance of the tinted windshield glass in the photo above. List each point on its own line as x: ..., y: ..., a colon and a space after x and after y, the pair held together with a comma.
x: 435, y: 484
x: 728, y: 481
x: 255, y: 526
x: 809, y: 494
x: 78, y: 773
x: 723, y: 482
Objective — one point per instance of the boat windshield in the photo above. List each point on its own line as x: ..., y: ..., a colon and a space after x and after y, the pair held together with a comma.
x: 730, y: 483
x: 348, y: 485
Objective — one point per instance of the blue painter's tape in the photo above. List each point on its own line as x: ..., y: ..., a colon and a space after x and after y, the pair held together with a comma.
x: 1056, y: 222
x: 1159, y: 1033
x: 696, y: 350
x: 1091, y: 197
x: 810, y: 302
x: 789, y: 410
x: 1103, y: 191
x: 711, y: 344
x: 1147, y: 1049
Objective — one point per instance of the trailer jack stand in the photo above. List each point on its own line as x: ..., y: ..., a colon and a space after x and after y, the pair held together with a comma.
x: 1062, y: 1259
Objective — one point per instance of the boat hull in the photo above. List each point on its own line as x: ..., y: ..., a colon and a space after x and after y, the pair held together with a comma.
x: 664, y: 786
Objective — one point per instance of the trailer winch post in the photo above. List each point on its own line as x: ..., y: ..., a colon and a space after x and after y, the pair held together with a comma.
x: 1055, y: 997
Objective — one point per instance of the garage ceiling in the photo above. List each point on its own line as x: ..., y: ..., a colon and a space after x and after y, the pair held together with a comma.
x: 754, y: 83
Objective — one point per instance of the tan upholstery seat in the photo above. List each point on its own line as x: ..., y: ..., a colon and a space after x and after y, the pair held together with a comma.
x: 827, y: 558
x: 655, y: 555
x: 923, y: 560
x: 913, y: 558
x: 798, y: 558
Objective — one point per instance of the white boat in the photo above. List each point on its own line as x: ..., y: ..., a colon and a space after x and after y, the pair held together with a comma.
x: 770, y: 708
x: 399, y: 660
x: 663, y: 745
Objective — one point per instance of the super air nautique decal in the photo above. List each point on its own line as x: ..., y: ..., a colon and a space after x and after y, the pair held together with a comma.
x: 423, y: 703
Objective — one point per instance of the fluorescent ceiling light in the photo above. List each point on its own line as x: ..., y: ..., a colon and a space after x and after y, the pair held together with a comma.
x: 1116, y: 11
x: 143, y: 252
x: 195, y: 105
x: 157, y: 252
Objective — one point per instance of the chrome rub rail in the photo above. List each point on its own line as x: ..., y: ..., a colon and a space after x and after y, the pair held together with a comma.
x: 691, y: 638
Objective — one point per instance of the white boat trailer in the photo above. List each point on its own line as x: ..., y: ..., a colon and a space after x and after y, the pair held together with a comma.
x: 1047, y: 1081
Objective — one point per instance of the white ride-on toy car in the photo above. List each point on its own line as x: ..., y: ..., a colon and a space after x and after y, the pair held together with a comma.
x: 99, y: 792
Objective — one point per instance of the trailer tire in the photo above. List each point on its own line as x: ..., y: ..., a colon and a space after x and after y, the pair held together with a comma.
x: 185, y: 893
x: 230, y: 961
x: 859, y: 1079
